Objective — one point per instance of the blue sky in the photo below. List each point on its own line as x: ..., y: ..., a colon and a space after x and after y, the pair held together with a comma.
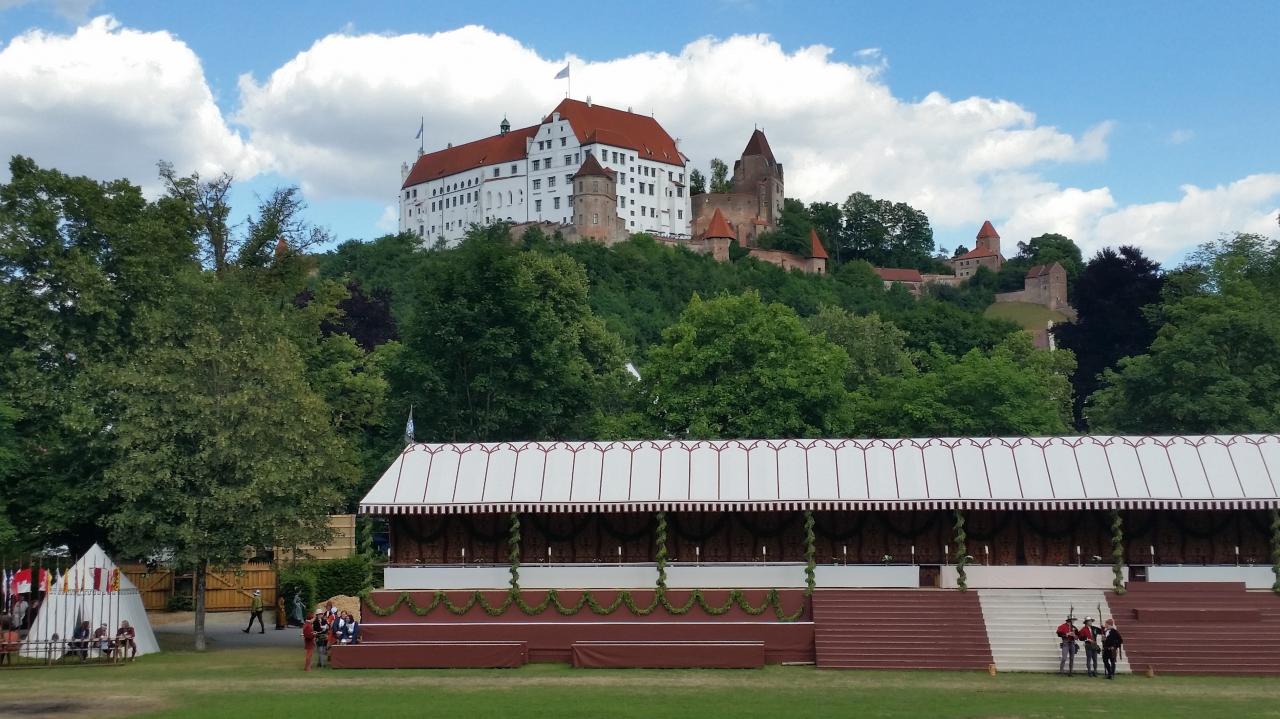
x: 1181, y: 93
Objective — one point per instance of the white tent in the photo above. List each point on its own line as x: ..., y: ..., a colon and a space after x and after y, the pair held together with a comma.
x: 92, y: 590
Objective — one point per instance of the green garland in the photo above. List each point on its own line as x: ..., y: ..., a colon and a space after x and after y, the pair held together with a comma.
x: 585, y: 600
x: 810, y: 554
x: 962, y: 553
x: 1275, y: 548
x: 513, y: 541
x: 1117, y: 552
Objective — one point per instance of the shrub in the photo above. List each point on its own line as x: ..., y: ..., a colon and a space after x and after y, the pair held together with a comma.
x: 320, y: 579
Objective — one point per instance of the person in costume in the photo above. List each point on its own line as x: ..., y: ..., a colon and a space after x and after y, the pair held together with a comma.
x: 1090, y: 635
x: 1111, y: 644
x: 1067, y: 637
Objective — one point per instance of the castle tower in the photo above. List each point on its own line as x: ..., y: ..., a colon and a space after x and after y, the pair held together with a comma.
x: 595, y: 202
x: 758, y: 173
x: 718, y: 237
x: 988, y: 238
x: 817, y: 263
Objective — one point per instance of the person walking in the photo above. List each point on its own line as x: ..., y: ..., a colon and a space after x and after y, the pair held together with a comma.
x: 308, y: 643
x: 255, y: 612
x: 1111, y: 644
x: 1067, y: 638
x: 1089, y: 635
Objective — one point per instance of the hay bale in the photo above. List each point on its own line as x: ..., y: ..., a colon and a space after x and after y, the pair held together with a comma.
x: 344, y: 603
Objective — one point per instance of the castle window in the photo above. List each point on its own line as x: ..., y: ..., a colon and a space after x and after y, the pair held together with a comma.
x: 513, y: 169
x: 495, y: 172
x: 568, y: 180
x: 579, y: 185
x: 650, y: 188
x: 508, y: 197
x: 536, y: 163
x: 555, y: 203
x: 537, y: 184
x: 570, y: 200
x: 537, y: 205
x: 595, y: 218
x: 679, y: 214
x: 568, y: 160
x: 563, y: 141
x: 551, y: 181
x: 595, y: 185
x: 406, y: 194
x: 679, y: 192
x: 415, y: 192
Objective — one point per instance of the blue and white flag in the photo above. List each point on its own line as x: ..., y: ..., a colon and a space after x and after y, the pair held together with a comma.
x: 421, y: 123
x: 563, y: 73
x: 408, y: 427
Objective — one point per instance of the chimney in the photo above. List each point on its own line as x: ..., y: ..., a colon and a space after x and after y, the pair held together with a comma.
x: 588, y: 101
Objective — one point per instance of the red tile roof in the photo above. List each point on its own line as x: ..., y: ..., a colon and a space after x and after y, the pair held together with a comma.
x: 759, y: 145
x: 894, y: 274
x: 591, y: 167
x: 975, y: 253
x: 816, y: 250
x: 597, y: 123
x: 469, y: 156
x: 988, y: 231
x: 1040, y: 270
x: 719, y: 227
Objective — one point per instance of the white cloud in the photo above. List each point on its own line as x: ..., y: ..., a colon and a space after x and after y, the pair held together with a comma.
x: 389, y: 220
x: 1178, y: 137
x: 75, y: 10
x: 109, y: 102
x: 340, y: 117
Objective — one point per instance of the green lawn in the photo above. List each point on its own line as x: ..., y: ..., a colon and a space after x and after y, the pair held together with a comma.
x: 1026, y: 315
x: 245, y: 683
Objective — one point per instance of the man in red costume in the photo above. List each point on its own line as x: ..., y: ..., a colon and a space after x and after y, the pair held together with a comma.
x: 1067, y: 636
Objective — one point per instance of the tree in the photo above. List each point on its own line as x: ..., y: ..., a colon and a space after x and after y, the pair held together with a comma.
x: 220, y: 442
x: 697, y: 182
x: 1214, y: 365
x: 79, y: 261
x: 875, y: 348
x: 1111, y: 294
x: 503, y: 345
x: 1014, y: 389
x: 885, y: 233
x: 792, y: 234
x: 720, y: 181
x: 828, y: 220
x: 733, y: 366
x: 1043, y: 250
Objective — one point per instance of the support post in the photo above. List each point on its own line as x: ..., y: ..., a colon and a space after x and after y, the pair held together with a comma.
x: 513, y: 542
x: 962, y: 555
x: 1275, y: 548
x: 1117, y: 552
x: 810, y: 554
x: 660, y: 539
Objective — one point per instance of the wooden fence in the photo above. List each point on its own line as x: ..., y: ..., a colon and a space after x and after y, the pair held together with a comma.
x: 225, y: 591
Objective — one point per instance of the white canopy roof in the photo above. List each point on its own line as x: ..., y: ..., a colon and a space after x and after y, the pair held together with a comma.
x: 1189, y: 472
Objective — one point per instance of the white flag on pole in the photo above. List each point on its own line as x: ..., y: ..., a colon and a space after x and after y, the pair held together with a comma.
x: 563, y: 73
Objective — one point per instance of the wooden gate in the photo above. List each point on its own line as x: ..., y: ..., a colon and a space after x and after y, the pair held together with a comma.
x: 154, y: 585
x: 232, y: 590
x: 229, y: 590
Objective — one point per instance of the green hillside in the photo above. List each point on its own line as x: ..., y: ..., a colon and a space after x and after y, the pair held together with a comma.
x: 1024, y: 314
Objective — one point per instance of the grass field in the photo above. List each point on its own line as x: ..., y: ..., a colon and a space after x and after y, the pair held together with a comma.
x: 266, y: 682
x: 1026, y: 315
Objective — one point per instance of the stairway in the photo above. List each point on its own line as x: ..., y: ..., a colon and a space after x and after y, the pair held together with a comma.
x: 1199, y: 628
x: 899, y: 629
x: 1021, y: 623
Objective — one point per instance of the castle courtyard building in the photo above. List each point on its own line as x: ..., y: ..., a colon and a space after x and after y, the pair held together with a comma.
x: 527, y: 175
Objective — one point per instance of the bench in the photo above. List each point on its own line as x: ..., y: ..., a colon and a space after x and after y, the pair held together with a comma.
x: 429, y: 655
x: 668, y: 654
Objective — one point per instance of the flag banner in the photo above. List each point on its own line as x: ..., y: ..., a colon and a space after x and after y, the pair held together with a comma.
x: 115, y: 580
x: 97, y: 579
x: 421, y: 125
x: 66, y: 582
x: 21, y: 581
x: 47, y: 584
x: 408, y: 428
x: 563, y: 73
